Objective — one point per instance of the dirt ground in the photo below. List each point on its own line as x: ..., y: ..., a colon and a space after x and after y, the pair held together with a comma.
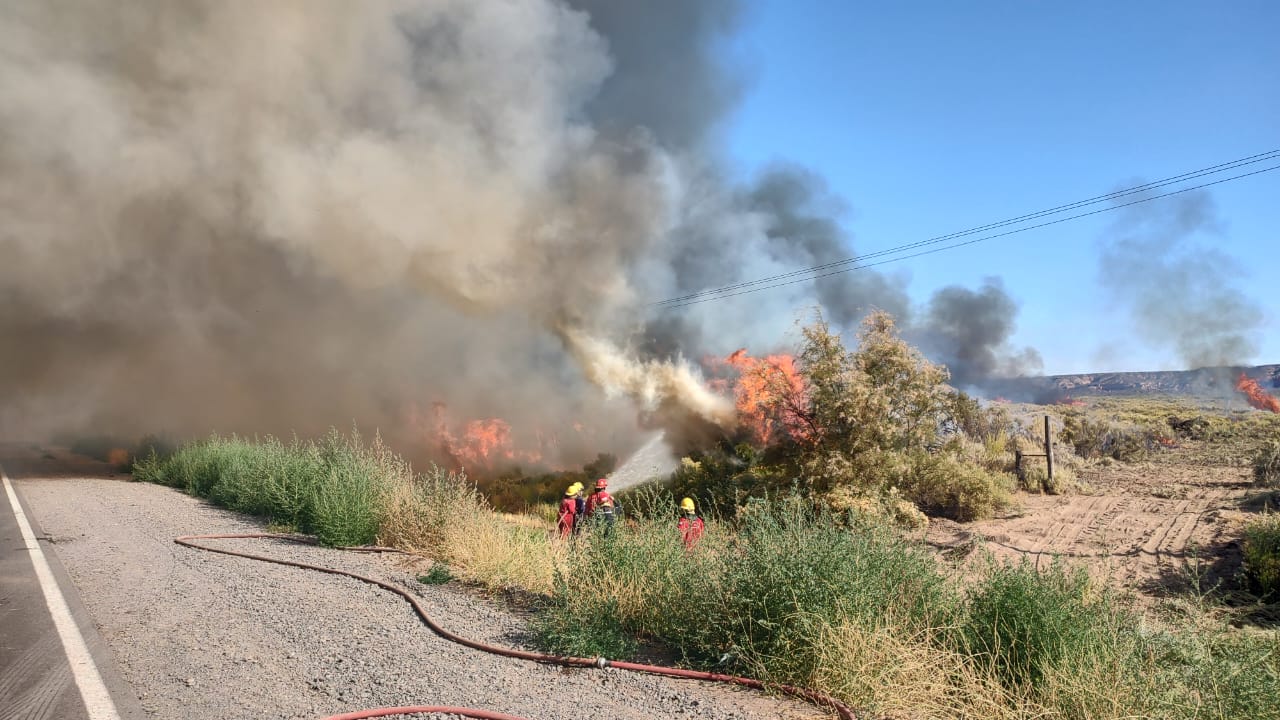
x: 1168, y: 525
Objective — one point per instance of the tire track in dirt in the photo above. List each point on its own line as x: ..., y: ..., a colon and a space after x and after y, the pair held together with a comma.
x: 1142, y: 529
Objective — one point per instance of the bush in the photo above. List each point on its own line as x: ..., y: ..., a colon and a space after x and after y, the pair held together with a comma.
x: 796, y: 570
x: 335, y: 489
x: 764, y: 600
x: 438, y: 575
x: 1197, y: 427
x: 1261, y: 548
x: 969, y: 418
x: 1266, y: 465
x: 1024, y: 623
x: 1035, y: 479
x: 946, y: 486
x: 1099, y: 438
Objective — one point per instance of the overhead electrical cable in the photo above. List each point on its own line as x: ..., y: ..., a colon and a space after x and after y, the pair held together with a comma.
x: 859, y: 261
x: 815, y: 272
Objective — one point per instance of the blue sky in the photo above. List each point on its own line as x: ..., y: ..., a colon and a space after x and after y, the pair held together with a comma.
x: 934, y: 117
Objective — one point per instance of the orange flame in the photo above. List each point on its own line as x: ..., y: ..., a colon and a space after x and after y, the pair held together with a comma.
x: 1256, y: 396
x: 483, y: 443
x: 769, y: 394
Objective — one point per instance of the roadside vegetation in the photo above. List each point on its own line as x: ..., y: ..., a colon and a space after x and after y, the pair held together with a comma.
x: 347, y: 491
x: 812, y: 569
x: 874, y: 430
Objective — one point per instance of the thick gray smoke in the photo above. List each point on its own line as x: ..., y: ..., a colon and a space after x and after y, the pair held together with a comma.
x: 668, y: 79
x: 1180, y: 293
x: 275, y: 217
x: 280, y: 216
x: 970, y: 332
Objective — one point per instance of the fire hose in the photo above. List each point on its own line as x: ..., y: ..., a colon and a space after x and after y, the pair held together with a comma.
x: 813, y: 696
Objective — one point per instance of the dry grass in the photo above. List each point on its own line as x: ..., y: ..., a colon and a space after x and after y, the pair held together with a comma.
x: 445, y: 518
x: 498, y: 553
x: 905, y: 675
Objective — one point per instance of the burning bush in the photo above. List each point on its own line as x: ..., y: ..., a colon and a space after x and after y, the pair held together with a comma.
x: 118, y: 452
x: 515, y: 491
x: 850, y: 426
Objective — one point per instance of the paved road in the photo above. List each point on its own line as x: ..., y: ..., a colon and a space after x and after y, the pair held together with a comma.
x: 50, y: 655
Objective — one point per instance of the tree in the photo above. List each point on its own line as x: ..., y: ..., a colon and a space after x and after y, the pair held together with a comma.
x: 866, y: 408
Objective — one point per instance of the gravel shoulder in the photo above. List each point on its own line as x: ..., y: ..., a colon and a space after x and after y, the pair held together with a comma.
x: 202, y: 635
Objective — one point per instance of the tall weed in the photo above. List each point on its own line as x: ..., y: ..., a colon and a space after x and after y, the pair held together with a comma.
x: 1025, y: 623
x: 1266, y: 464
x: 1261, y: 549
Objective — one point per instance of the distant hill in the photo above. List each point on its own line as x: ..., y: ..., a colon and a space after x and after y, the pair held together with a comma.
x: 1202, y: 382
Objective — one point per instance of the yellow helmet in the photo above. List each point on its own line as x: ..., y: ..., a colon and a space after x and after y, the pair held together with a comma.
x: 687, y: 504
x: 572, y: 490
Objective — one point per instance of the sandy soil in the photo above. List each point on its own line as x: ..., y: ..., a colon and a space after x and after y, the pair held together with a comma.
x: 1152, y: 527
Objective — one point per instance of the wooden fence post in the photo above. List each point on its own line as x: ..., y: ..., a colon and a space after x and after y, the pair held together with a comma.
x: 1048, y: 448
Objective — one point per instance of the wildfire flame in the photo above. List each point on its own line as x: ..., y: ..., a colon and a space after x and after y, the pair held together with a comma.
x: 484, y: 444
x: 769, y: 393
x: 1256, y: 396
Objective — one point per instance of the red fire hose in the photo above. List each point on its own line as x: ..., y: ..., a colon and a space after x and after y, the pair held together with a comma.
x: 817, y: 698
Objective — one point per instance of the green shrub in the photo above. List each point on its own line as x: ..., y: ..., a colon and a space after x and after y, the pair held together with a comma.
x: 1025, y: 624
x: 790, y: 573
x: 796, y: 570
x: 1266, y: 465
x: 949, y: 487
x: 1261, y: 549
x: 438, y: 575
x: 637, y: 579
x: 335, y: 489
x: 593, y: 631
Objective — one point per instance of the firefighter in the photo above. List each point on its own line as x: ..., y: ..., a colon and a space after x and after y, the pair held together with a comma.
x: 569, y: 510
x: 579, y: 506
x: 690, y: 525
x: 601, y: 506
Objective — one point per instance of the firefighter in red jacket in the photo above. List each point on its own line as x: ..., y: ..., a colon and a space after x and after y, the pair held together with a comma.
x: 569, y: 509
x: 690, y: 525
x: 601, y: 507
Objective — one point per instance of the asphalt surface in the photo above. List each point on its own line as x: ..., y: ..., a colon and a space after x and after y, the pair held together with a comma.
x: 37, y: 680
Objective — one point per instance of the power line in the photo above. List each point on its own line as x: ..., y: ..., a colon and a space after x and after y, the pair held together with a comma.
x: 772, y: 281
x: 710, y: 295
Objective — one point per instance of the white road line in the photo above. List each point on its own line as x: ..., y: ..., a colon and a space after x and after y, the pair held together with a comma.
x: 92, y: 690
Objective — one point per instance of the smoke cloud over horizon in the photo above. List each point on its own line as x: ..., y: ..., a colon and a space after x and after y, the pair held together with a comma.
x: 970, y: 331
x: 278, y: 217
x: 1180, y: 293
